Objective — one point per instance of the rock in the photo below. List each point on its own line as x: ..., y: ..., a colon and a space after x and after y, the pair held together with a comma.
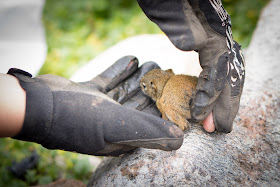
x: 263, y: 55
x: 248, y: 156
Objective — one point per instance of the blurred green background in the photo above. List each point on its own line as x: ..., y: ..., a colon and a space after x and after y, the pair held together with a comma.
x: 76, y: 32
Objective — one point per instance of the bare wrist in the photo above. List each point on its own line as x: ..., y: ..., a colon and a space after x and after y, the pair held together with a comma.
x: 12, y: 105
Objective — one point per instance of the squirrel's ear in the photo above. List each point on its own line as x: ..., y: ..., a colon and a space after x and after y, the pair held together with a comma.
x: 170, y: 72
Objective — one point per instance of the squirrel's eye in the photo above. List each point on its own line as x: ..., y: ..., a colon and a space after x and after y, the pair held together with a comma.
x: 152, y: 83
x: 144, y: 86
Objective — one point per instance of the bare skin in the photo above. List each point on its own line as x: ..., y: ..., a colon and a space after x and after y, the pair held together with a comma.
x: 208, y: 123
x: 12, y: 105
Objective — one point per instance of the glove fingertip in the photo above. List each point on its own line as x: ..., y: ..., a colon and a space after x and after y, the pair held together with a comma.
x: 121, y: 70
x: 148, y: 66
x: 117, y: 72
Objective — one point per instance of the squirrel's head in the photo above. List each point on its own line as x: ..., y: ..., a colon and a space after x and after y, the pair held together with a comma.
x: 153, y: 82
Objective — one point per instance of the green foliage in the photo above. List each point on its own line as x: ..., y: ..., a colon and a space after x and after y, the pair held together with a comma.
x: 244, y: 16
x: 52, y: 164
x: 77, y: 31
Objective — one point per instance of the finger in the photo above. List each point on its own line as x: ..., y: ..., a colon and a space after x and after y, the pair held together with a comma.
x: 203, y: 102
x: 211, y: 82
x: 116, y: 73
x: 208, y: 123
x: 128, y: 88
x: 225, y: 110
x: 152, y: 109
x: 142, y: 103
x: 111, y: 125
x: 227, y: 104
x: 139, y: 101
x: 138, y: 129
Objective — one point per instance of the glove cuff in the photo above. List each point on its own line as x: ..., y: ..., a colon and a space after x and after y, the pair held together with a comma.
x: 39, y: 107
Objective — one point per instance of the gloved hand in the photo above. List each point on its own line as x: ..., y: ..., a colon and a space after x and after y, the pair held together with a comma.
x: 205, y: 26
x: 81, y: 117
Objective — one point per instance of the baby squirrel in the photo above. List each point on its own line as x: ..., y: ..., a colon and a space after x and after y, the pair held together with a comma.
x: 172, y: 94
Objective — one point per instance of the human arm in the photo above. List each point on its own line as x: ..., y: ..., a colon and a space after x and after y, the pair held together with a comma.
x: 12, y: 106
x: 205, y: 26
x: 82, y: 117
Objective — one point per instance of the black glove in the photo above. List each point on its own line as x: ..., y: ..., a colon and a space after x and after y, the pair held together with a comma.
x: 80, y: 117
x: 205, y: 26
